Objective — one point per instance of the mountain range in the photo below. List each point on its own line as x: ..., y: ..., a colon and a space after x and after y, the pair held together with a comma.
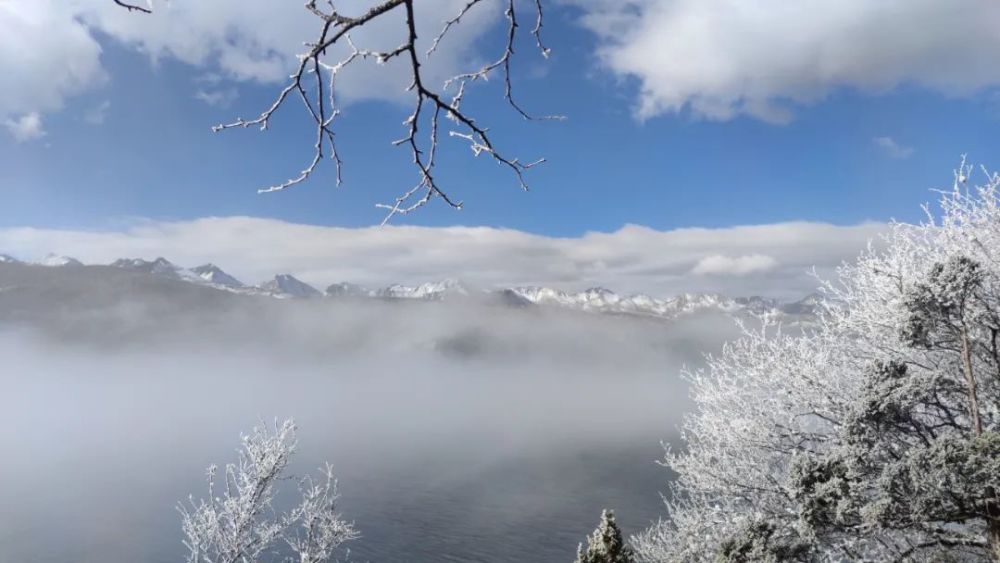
x: 594, y: 300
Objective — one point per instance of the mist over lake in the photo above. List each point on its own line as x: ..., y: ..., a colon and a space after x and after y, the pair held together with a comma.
x: 459, y: 431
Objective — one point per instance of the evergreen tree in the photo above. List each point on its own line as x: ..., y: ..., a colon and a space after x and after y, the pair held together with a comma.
x: 759, y: 542
x: 606, y: 544
x: 914, y: 451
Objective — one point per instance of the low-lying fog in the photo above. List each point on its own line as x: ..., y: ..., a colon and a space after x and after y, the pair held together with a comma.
x: 460, y: 432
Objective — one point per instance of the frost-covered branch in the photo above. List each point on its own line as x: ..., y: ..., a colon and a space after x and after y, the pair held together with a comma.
x: 314, y: 84
x: 316, y: 529
x: 236, y: 522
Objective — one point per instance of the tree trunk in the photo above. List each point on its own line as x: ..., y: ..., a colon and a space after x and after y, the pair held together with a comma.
x: 970, y: 381
x: 992, y: 505
x: 993, y: 533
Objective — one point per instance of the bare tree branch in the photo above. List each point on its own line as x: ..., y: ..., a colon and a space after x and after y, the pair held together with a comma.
x: 133, y: 7
x: 314, y: 82
x: 537, y: 31
x: 448, y: 25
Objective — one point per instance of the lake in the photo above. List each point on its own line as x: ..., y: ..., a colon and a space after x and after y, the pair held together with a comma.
x: 476, y: 457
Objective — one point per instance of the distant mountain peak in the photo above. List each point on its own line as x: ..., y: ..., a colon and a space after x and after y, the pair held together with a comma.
x: 160, y: 266
x: 431, y: 291
x: 347, y: 289
x: 55, y: 260
x: 215, y: 275
x: 8, y: 259
x: 163, y: 266
x: 809, y: 305
x: 757, y: 304
x: 287, y: 285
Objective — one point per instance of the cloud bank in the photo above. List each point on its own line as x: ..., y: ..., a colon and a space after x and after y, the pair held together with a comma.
x: 734, y: 266
x: 717, y: 59
x: 772, y: 260
x: 724, y: 58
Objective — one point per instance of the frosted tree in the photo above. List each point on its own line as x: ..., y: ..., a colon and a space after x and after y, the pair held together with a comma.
x: 605, y: 544
x: 760, y: 542
x: 873, y: 436
x: 314, y: 83
x: 237, y: 523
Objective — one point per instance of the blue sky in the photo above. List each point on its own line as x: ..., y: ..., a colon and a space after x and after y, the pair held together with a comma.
x: 154, y: 156
x: 813, y: 121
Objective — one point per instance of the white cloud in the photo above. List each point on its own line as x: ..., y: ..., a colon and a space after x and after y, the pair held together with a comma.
x: 46, y: 54
x: 219, y: 98
x: 97, y: 114
x: 769, y: 259
x: 49, y: 49
x: 28, y: 127
x: 891, y: 148
x: 718, y: 264
x: 723, y: 58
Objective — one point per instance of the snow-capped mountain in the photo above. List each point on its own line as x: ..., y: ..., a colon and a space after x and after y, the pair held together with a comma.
x: 345, y: 289
x: 433, y: 291
x: 758, y: 304
x: 594, y: 300
x: 160, y: 267
x: 7, y: 259
x: 286, y: 285
x: 809, y: 305
x: 601, y: 300
x: 207, y: 274
x: 54, y: 260
x: 214, y: 275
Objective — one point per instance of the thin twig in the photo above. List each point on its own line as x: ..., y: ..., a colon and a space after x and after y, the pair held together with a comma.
x: 320, y: 99
x: 133, y: 7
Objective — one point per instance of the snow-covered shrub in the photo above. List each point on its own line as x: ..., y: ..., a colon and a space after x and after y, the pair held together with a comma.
x: 236, y: 523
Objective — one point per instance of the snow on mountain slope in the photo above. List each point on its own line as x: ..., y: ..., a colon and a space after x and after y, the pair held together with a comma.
x: 57, y: 261
x: 809, y: 305
x: 8, y: 259
x: 433, y: 291
x: 286, y: 285
x: 596, y: 300
x: 599, y: 299
x: 212, y: 274
x: 346, y: 289
x: 208, y: 274
x: 758, y: 304
x: 160, y: 267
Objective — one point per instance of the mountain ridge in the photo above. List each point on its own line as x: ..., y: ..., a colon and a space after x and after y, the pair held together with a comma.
x: 593, y: 300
